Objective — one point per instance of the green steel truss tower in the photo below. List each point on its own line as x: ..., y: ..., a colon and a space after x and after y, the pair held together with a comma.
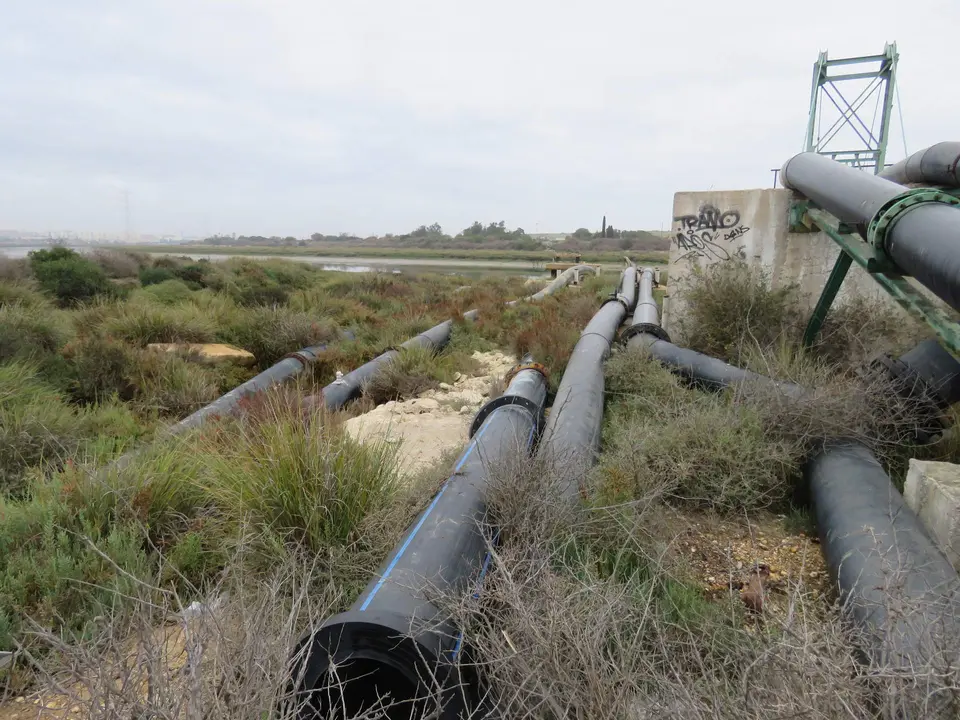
x: 848, y: 138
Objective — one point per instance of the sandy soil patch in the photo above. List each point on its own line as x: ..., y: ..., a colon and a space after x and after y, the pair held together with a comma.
x: 426, y: 427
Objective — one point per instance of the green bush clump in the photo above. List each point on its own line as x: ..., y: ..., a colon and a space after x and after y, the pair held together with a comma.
x: 169, y: 292
x: 23, y: 292
x: 69, y: 276
x: 413, y: 371
x: 156, y: 275
x: 141, y: 322
x: 296, y: 477
x: 170, y: 385
x: 117, y: 263
x: 29, y: 333
x: 39, y: 429
x: 729, y: 307
x: 100, y: 367
x: 272, y: 332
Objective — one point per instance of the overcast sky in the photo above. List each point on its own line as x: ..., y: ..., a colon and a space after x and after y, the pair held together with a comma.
x: 371, y: 116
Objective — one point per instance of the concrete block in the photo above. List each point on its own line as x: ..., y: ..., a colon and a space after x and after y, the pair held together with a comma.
x: 932, y: 491
x: 753, y: 225
x: 208, y: 352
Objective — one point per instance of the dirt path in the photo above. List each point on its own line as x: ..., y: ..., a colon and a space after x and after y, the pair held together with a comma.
x: 426, y: 427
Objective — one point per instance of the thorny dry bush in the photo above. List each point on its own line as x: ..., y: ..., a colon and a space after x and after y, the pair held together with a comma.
x: 583, y: 615
x: 164, y: 658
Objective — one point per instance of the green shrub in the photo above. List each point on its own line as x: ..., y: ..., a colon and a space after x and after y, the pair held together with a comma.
x: 22, y: 292
x: 155, y: 275
x: 411, y: 372
x: 50, y: 574
x: 270, y: 333
x: 729, y: 307
x: 38, y: 429
x: 35, y: 426
x: 116, y: 263
x: 69, y: 276
x: 29, y: 333
x: 663, y: 439
x: 13, y: 268
x: 169, y: 292
x: 143, y: 322
x: 170, y: 385
x: 267, y: 295
x: 296, y: 477
x: 100, y: 368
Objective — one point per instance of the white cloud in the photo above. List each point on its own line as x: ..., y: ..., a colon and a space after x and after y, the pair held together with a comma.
x: 290, y: 116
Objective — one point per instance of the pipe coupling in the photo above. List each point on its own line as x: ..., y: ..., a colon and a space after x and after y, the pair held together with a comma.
x: 880, y: 225
x: 641, y: 328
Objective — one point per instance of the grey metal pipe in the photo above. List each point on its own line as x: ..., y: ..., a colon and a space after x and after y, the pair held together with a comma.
x: 898, y: 588
x: 572, y: 432
x: 936, y: 165
x: 394, y: 639
x: 924, y: 241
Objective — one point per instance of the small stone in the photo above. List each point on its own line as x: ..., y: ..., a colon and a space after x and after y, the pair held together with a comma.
x: 793, y: 549
x: 739, y: 565
x: 21, y: 699
x: 711, y: 580
x: 465, y: 410
x: 446, y: 386
x: 457, y: 377
x: 75, y: 709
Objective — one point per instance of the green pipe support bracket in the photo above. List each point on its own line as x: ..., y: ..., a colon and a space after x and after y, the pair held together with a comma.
x: 911, y: 299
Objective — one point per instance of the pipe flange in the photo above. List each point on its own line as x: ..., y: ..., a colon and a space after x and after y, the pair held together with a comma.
x: 640, y: 328
x: 301, y: 356
x: 542, y: 369
x: 891, y: 211
x: 502, y: 401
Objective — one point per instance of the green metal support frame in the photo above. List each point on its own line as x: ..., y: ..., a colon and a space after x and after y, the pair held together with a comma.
x: 871, y: 154
x: 853, y: 248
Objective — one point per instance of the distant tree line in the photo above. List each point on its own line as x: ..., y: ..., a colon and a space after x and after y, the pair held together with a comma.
x: 489, y: 236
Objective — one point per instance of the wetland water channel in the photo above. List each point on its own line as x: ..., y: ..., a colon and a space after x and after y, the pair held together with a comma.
x: 452, y: 266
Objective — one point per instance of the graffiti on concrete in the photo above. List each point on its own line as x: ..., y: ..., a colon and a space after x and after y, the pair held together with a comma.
x: 710, y: 234
x: 709, y: 218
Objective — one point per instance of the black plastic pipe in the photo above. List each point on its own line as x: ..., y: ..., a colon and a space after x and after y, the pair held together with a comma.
x: 343, y: 390
x: 924, y: 240
x: 288, y: 367
x: 562, y: 280
x: 895, y: 583
x: 936, y: 165
x: 572, y: 432
x: 394, y: 640
x: 702, y: 370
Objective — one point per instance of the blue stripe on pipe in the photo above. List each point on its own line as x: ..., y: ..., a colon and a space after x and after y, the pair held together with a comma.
x: 406, y: 543
x: 423, y: 519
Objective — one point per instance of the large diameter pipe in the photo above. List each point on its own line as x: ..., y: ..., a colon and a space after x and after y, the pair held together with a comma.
x: 936, y: 165
x: 343, y: 390
x: 394, y: 640
x: 924, y: 241
x: 572, y: 432
x: 561, y: 281
x: 703, y: 370
x: 897, y: 586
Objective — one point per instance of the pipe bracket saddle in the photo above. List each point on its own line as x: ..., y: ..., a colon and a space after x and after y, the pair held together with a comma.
x: 891, y: 211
